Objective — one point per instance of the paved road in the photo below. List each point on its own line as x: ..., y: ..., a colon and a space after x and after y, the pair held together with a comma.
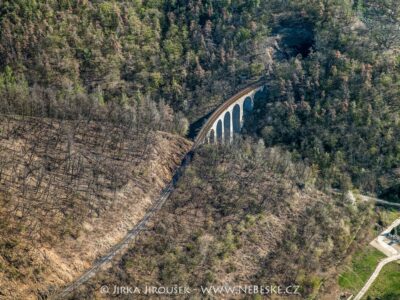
x: 375, y: 275
x: 380, y: 242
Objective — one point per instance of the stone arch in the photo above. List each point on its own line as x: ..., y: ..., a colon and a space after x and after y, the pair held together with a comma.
x: 247, y: 106
x: 236, y: 119
x: 212, y: 136
x: 227, y: 127
x: 219, y: 131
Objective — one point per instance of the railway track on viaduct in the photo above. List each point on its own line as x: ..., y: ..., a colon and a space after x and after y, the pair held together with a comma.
x: 119, y: 248
x: 105, y: 261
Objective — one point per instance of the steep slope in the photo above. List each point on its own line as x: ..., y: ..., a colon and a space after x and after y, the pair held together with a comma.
x: 241, y: 215
x: 69, y: 191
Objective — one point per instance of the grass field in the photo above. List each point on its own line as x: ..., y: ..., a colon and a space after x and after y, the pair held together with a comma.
x: 360, y: 269
x: 387, y: 285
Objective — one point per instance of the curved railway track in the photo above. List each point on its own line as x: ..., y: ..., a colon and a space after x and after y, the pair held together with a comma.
x: 221, y: 110
x: 104, y: 261
x: 118, y: 248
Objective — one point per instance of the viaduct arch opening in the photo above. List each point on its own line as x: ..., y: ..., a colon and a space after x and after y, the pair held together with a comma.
x: 227, y: 127
x: 219, y: 131
x: 227, y: 120
x: 247, y: 107
x: 236, y: 119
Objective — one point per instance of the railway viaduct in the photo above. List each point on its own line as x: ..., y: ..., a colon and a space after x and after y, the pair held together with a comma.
x: 221, y: 126
x: 227, y: 120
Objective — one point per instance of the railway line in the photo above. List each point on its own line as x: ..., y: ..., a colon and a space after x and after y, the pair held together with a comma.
x: 117, y: 249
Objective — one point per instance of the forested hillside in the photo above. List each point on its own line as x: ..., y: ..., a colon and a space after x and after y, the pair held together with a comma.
x: 97, y: 97
x: 188, y: 53
x: 337, y: 107
x: 243, y: 215
x: 70, y: 190
x: 331, y: 69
